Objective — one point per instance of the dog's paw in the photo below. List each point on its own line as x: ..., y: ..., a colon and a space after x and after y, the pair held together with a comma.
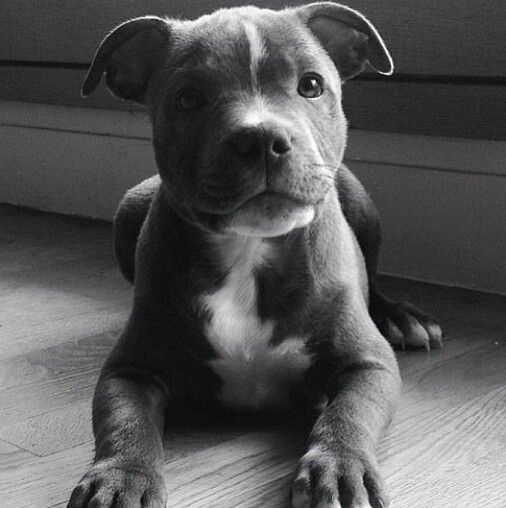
x: 404, y: 325
x: 107, y: 485
x: 327, y: 480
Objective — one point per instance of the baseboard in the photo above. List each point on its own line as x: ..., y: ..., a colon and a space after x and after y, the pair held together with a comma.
x: 442, y: 200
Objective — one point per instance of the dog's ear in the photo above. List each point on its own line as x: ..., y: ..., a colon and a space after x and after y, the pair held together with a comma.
x: 128, y: 56
x: 348, y: 37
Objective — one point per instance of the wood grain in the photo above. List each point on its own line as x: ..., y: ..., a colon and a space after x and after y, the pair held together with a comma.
x: 454, y: 37
x: 445, y: 447
x: 11, y: 456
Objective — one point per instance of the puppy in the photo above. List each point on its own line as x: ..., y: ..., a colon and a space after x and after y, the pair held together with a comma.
x: 253, y: 252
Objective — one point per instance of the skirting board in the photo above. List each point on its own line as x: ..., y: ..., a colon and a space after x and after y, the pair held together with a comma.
x: 442, y: 200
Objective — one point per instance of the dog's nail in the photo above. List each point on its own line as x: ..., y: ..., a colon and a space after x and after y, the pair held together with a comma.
x: 418, y: 336
x: 393, y: 333
x: 436, y: 335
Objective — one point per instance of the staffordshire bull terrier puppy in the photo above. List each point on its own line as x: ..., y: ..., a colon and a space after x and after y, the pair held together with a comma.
x: 253, y: 252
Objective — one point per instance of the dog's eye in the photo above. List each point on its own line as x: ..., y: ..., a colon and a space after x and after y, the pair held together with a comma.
x: 310, y: 86
x: 190, y: 99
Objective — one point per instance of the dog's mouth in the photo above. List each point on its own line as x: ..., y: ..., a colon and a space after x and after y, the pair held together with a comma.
x: 262, y: 208
x: 272, y: 202
x: 268, y: 214
x: 226, y: 204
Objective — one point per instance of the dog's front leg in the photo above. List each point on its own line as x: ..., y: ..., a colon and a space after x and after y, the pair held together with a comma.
x: 340, y: 468
x: 128, y: 417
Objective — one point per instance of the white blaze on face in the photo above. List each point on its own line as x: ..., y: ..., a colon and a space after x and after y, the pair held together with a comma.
x: 254, y: 373
x: 257, y: 111
x: 255, y: 114
x: 257, y: 49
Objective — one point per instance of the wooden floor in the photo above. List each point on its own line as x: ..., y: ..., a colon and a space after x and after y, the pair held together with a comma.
x: 63, y: 303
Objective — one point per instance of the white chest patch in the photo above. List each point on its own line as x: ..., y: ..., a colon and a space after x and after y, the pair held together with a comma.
x: 254, y: 373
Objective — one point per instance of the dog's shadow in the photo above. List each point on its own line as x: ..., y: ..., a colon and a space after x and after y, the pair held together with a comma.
x: 216, y: 457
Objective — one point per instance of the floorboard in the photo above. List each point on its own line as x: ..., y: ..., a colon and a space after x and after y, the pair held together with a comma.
x: 62, y: 305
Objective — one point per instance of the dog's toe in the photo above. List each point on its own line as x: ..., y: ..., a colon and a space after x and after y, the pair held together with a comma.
x: 109, y: 486
x: 415, y: 335
x: 406, y: 326
x: 391, y: 331
x: 327, y: 479
x: 435, y: 335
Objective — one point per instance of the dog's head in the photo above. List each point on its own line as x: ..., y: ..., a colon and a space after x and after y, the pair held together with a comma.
x: 245, y: 103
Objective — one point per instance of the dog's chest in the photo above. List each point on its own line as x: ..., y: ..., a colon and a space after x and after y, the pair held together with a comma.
x: 254, y: 372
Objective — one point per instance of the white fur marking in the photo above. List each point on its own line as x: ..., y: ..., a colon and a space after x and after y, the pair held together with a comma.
x: 257, y: 48
x: 254, y: 373
x: 255, y: 115
x: 258, y: 112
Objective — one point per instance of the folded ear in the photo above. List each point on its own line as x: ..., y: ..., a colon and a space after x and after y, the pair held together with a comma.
x: 348, y: 37
x: 128, y: 56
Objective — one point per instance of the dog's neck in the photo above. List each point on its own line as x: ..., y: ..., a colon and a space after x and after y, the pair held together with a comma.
x: 234, y: 252
x: 286, y: 268
x: 228, y: 250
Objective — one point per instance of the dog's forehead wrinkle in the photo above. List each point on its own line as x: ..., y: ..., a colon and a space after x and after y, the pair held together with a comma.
x: 211, y: 43
x: 241, y: 36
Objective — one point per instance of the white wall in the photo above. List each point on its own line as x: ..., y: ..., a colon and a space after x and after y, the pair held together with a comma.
x: 442, y: 200
x: 71, y: 160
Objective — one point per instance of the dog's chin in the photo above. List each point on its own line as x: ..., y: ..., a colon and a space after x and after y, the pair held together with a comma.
x: 268, y: 215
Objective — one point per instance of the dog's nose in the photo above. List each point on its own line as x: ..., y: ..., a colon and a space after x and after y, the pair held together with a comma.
x: 259, y: 143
